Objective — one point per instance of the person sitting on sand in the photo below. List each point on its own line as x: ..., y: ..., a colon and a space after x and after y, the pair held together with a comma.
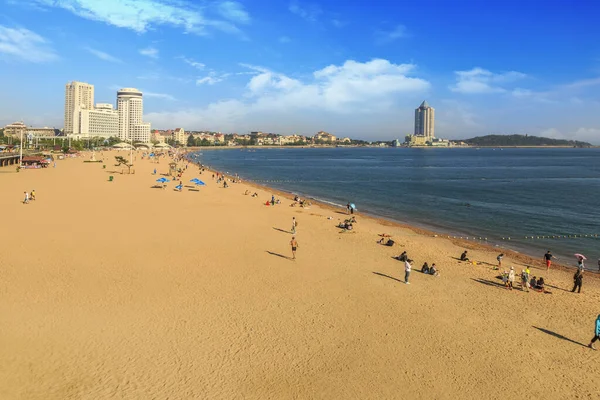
x: 402, y: 257
x: 255, y: 194
x: 425, y: 268
x: 247, y: 192
x: 539, y: 285
x: 390, y: 242
x: 463, y: 256
x: 532, y: 282
x: 433, y: 270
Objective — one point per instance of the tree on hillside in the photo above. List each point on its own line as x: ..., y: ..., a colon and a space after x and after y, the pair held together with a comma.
x: 190, y: 141
x: 122, y: 161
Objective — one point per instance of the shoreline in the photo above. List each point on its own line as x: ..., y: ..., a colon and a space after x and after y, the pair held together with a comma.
x: 520, y: 256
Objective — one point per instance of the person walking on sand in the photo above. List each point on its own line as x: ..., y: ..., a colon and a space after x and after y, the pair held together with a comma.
x: 577, y: 281
x: 597, y: 334
x: 26, y: 200
x: 33, y: 194
x: 294, y: 245
x: 548, y: 258
x: 407, y: 269
x: 294, y: 224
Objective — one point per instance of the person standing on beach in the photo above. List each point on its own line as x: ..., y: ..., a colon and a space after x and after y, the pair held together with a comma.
x: 348, y: 208
x: 272, y: 200
x: 26, y: 200
x: 294, y: 224
x: 597, y: 334
x: 577, y: 280
x: 407, y: 269
x: 294, y: 245
x: 548, y: 258
x: 511, y: 278
x: 499, y: 258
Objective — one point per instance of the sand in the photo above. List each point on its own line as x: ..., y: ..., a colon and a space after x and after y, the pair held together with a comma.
x: 115, y: 290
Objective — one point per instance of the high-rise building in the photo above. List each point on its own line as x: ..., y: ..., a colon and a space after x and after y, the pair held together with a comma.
x: 78, y: 96
x: 101, y: 121
x: 425, y: 121
x: 130, y: 108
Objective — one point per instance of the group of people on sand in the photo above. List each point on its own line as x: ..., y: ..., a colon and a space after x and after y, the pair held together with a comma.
x: 28, y: 196
x: 348, y: 224
x: 426, y: 268
x: 300, y: 202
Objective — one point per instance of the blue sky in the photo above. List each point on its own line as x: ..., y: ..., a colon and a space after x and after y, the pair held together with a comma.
x: 353, y: 68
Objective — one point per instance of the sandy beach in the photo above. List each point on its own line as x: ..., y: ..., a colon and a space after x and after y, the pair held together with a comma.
x: 116, y: 290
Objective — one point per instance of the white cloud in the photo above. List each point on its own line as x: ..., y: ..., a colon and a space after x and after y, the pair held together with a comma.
x: 584, y: 83
x: 163, y: 96
x: 208, y: 80
x: 591, y: 135
x: 284, y: 39
x: 479, y: 80
x: 143, y: 15
x: 384, y: 37
x: 102, y: 55
x: 26, y: 45
x: 192, y: 63
x: 150, y: 52
x: 309, y: 12
x: 350, y: 90
x: 233, y: 11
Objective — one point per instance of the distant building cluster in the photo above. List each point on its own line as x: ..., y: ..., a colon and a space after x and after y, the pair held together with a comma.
x: 255, y: 138
x: 83, y: 120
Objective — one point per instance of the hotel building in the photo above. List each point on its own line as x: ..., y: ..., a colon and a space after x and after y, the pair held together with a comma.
x: 425, y: 121
x: 78, y: 96
x: 130, y: 108
x: 101, y: 121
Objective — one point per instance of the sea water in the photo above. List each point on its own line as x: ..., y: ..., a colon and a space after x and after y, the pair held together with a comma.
x: 530, y: 200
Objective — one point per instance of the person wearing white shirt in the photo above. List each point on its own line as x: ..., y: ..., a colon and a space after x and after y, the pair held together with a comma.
x: 407, y: 269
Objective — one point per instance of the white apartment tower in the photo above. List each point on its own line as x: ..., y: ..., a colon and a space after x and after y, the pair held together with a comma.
x: 78, y: 96
x: 130, y: 107
x: 425, y: 121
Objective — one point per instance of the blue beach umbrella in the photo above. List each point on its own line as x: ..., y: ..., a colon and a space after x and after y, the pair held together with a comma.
x: 194, y: 180
x: 178, y: 187
x: 199, y: 183
x: 352, y: 206
x: 163, y: 180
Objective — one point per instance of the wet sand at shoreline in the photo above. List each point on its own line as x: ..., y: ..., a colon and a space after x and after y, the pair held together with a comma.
x: 118, y: 290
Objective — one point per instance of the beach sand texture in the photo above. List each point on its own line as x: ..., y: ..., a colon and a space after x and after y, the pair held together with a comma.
x: 115, y: 290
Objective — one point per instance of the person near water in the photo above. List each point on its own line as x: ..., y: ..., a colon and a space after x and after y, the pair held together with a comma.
x: 348, y: 208
x: 272, y: 200
x: 407, y: 269
x: 294, y: 224
x: 596, y: 334
x: 294, y: 245
x: 463, y: 256
x: 499, y: 258
x: 580, y: 265
x: 548, y: 258
x: 577, y: 280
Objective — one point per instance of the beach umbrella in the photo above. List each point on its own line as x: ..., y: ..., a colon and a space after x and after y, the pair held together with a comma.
x: 580, y: 256
x: 199, y: 183
x: 352, y: 206
x: 178, y: 187
x: 194, y: 180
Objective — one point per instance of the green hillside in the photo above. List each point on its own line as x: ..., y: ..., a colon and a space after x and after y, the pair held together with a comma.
x: 521, y: 140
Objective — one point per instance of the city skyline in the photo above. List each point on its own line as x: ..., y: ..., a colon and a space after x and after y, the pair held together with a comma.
x: 305, y: 66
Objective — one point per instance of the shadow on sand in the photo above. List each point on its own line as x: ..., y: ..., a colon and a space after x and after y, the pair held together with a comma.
x: 387, y: 276
x: 279, y: 255
x: 281, y: 230
x: 559, y: 336
x: 489, y: 283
